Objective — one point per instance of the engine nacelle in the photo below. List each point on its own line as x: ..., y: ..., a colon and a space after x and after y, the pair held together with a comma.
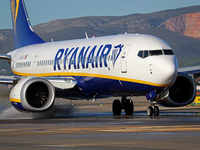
x: 32, y: 94
x: 182, y: 92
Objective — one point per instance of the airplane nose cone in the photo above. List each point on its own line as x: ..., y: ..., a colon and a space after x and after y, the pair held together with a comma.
x: 167, y: 70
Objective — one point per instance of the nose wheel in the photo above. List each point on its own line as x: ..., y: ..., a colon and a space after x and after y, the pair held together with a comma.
x: 153, y: 110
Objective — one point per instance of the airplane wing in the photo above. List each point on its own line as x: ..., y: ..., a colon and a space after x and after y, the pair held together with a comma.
x: 195, y: 71
x: 190, y: 70
x: 8, y: 79
x: 60, y: 83
x: 5, y: 57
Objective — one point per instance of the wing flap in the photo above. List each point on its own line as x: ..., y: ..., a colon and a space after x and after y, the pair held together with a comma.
x: 63, y: 82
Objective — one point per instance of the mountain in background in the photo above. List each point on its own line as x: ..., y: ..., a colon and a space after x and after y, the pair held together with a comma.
x: 188, y: 25
x: 179, y: 27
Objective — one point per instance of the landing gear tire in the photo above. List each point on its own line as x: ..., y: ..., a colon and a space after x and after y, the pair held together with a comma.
x: 150, y: 111
x: 129, y: 107
x: 116, y: 107
x: 156, y: 111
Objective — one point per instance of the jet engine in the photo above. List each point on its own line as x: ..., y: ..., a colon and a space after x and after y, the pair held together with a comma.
x: 32, y: 94
x: 182, y: 92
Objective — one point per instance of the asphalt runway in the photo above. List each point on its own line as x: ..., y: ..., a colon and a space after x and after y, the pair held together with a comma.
x: 87, y: 125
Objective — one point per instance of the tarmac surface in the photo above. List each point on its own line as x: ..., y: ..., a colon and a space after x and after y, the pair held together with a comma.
x: 91, y: 125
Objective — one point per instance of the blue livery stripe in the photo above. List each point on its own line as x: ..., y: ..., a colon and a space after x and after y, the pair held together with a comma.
x: 18, y: 106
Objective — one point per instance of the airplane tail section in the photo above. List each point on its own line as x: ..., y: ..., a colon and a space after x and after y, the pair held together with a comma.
x: 22, y: 30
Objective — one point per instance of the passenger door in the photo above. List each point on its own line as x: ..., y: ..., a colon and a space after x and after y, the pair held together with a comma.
x: 124, y: 58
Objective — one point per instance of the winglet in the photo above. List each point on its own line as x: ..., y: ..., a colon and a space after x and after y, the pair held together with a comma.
x: 22, y: 30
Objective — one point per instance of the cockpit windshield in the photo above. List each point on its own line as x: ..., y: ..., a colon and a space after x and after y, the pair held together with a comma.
x: 155, y: 52
x: 147, y: 53
x: 168, y: 52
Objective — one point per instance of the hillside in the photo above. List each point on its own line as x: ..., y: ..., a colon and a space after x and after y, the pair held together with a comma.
x: 188, y: 25
x: 174, y: 26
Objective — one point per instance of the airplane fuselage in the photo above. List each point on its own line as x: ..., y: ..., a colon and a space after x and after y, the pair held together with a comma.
x: 131, y: 64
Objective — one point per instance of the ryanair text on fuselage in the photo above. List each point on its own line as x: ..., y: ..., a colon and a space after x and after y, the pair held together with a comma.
x: 97, y: 56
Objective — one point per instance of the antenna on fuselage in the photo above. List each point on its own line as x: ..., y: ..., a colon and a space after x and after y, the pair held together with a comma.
x: 86, y: 35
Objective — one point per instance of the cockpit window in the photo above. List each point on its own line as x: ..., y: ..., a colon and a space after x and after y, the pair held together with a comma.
x: 146, y: 53
x: 168, y: 52
x: 155, y: 52
x: 140, y: 54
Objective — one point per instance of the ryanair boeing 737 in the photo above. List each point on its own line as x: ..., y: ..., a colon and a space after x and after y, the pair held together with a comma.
x: 112, y: 66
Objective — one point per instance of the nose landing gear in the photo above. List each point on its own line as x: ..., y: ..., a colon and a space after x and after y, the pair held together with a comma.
x: 153, y: 109
x: 126, y: 104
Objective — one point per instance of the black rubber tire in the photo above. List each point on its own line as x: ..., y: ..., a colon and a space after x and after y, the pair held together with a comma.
x: 150, y: 111
x: 156, y: 111
x: 129, y: 107
x: 116, y: 107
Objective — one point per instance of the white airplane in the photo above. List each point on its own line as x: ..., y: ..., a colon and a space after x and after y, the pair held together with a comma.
x: 91, y: 68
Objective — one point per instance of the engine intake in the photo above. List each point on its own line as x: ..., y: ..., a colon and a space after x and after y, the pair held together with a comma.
x: 182, y: 92
x: 33, y: 94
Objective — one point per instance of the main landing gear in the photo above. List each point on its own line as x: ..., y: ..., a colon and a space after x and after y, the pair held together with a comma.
x: 153, y: 109
x: 126, y: 104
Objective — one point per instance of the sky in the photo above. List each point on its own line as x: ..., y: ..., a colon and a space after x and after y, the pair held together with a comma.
x: 41, y: 11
